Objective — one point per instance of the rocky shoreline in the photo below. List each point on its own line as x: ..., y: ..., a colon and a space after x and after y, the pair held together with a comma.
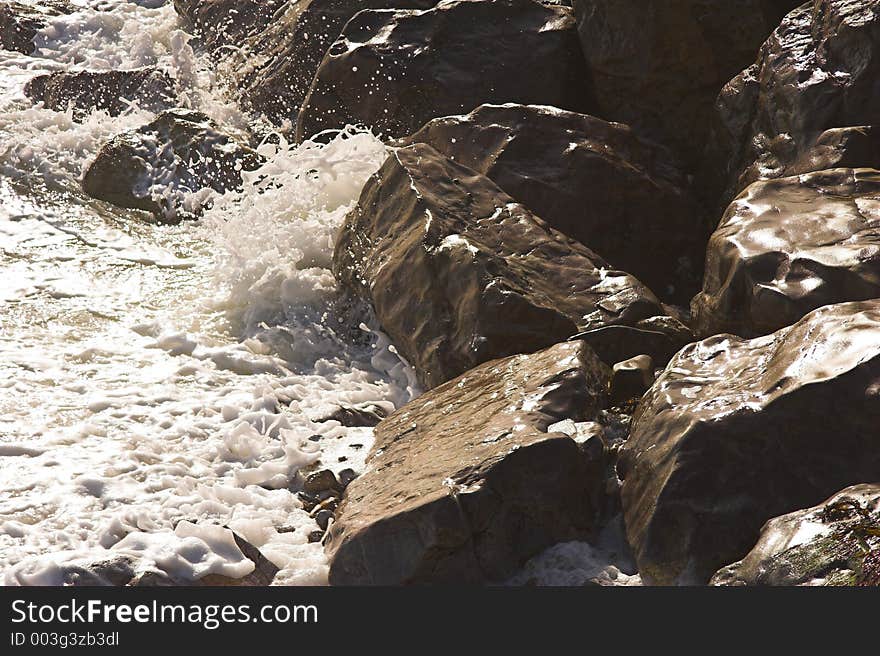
x: 660, y: 210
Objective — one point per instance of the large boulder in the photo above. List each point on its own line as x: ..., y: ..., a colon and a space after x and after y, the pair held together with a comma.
x: 459, y: 273
x: 808, y: 103
x: 788, y: 246
x: 161, y: 167
x: 591, y: 180
x: 227, y: 23
x: 110, y: 91
x: 835, y: 543
x: 658, y: 65
x: 735, y: 432
x: 282, y: 60
x: 19, y: 23
x: 465, y: 484
x: 393, y: 70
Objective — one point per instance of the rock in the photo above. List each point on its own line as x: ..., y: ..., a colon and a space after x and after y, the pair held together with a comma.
x: 19, y: 23
x: 465, y: 484
x: 283, y: 59
x: 828, y: 544
x: 365, y: 414
x: 346, y: 476
x: 592, y: 180
x: 322, y: 519
x: 788, y: 246
x: 109, y: 91
x: 316, y: 536
x: 658, y: 65
x: 735, y: 432
x: 227, y: 23
x: 459, y: 274
x: 632, y: 378
x: 661, y: 337
x: 320, y: 481
x: 394, y: 70
x: 157, y: 167
x: 114, y: 570
x: 802, y: 106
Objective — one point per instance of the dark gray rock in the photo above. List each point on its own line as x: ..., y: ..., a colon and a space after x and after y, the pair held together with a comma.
x: 153, y: 167
x: 658, y: 65
x: 788, y: 246
x: 832, y: 544
x: 458, y: 273
x: 19, y: 23
x: 807, y: 103
x: 228, y: 23
x: 109, y: 91
x: 631, y: 378
x: 592, y: 180
x: 735, y: 432
x: 464, y: 484
x: 394, y: 70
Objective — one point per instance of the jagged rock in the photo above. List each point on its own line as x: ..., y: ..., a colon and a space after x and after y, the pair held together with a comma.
x: 19, y: 23
x: 799, y: 108
x: 660, y: 337
x: 464, y: 484
x: 658, y: 65
x: 364, y: 414
x: 111, y: 91
x: 283, y: 59
x: 228, y: 23
x: 320, y: 481
x: 114, y: 570
x: 632, y: 378
x: 735, y: 432
x: 829, y: 544
x: 458, y: 273
x: 394, y: 70
x: 591, y: 180
x: 155, y: 167
x: 788, y: 246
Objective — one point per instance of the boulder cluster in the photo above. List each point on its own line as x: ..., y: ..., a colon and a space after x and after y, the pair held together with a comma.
x: 663, y: 210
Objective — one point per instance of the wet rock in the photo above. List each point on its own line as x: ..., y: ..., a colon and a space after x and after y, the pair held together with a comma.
x: 346, y: 476
x: 316, y: 536
x: 365, y: 414
x: 458, y: 273
x: 19, y: 23
x: 735, y: 432
x: 592, y: 180
x: 632, y: 378
x: 661, y: 337
x: 788, y: 246
x: 227, y: 23
x: 115, y: 570
x: 658, y: 65
x: 166, y: 166
x: 323, y: 518
x: 320, y: 481
x: 829, y: 544
x: 394, y: 70
x: 109, y: 91
x: 282, y: 60
x: 804, y: 104
x: 465, y: 484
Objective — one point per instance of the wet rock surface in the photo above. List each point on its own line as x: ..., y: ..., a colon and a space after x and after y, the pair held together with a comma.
x: 592, y: 180
x: 787, y: 246
x: 393, y: 71
x: 658, y: 65
x: 631, y: 378
x: 109, y: 91
x: 458, y: 273
x: 227, y: 23
x: 19, y: 23
x: 158, y: 167
x: 735, y: 432
x: 464, y: 484
x: 809, y: 101
x: 283, y: 59
x: 832, y: 544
